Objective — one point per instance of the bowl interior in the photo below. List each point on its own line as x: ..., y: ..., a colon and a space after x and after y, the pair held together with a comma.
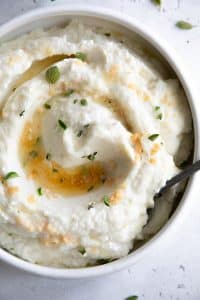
x: 133, y: 39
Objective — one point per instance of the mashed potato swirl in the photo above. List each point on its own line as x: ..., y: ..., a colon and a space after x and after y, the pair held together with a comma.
x: 82, y: 157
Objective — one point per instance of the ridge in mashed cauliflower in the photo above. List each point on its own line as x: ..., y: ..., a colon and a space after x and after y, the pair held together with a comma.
x: 89, y: 132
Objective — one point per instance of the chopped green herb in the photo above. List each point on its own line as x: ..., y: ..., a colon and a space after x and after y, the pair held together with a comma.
x: 81, y: 250
x: 184, y: 25
x: 38, y: 140
x: 33, y: 153
x: 80, y: 55
x: 10, y: 175
x: 91, y: 205
x: 132, y: 298
x: 83, y: 102
x: 159, y: 114
x: 157, y: 2
x: 80, y: 133
x: 52, y: 75
x: 48, y: 156
x: 39, y: 191
x: 153, y: 137
x: 10, y: 234
x: 68, y: 92
x: 91, y: 156
x: 55, y: 170
x: 21, y: 113
x: 108, y: 34
x: 106, y: 200
x: 47, y: 106
x: 90, y: 188
x: 75, y: 101
x: 159, y: 117
x: 62, y: 124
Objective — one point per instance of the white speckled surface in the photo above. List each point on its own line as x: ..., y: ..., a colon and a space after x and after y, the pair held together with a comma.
x: 172, y: 271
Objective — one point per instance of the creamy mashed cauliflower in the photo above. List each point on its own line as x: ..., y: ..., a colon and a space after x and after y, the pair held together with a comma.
x: 89, y: 132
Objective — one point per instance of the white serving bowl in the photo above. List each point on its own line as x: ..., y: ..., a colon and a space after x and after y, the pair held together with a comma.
x: 51, y: 16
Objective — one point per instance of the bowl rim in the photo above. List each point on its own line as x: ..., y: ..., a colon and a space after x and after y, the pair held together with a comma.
x: 177, y: 65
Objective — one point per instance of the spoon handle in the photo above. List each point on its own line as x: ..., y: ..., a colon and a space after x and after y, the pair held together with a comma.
x: 188, y: 171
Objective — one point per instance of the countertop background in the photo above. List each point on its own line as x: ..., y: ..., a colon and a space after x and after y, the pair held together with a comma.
x: 172, y: 271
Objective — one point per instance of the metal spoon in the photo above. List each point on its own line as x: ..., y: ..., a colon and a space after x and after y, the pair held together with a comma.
x: 188, y: 171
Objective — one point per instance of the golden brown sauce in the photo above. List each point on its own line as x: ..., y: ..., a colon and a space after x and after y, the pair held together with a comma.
x: 155, y: 149
x: 47, y: 173
x: 136, y: 140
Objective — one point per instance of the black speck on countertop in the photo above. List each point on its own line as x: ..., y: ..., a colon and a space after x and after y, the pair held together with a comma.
x: 180, y: 286
x: 182, y: 268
